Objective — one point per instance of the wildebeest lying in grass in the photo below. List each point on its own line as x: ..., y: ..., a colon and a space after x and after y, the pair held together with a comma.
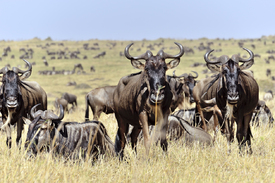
x: 66, y: 138
x: 178, y: 129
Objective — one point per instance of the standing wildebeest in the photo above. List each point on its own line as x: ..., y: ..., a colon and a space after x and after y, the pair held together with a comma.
x: 144, y: 99
x: 18, y: 98
x: 268, y: 95
x: 268, y: 72
x: 61, y: 101
x: 66, y: 138
x: 237, y: 94
x: 70, y: 98
x: 100, y: 100
x: 190, y: 82
x: 262, y: 114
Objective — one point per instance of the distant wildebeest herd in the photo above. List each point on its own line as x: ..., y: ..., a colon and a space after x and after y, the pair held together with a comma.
x: 144, y: 104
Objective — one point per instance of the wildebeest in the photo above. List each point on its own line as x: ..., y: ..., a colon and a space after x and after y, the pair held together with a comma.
x: 268, y: 95
x: 90, y: 138
x: 61, y: 101
x: 268, y: 72
x: 18, y: 98
x: 102, y: 54
x: 236, y: 94
x: 144, y: 99
x: 100, y: 100
x: 71, y: 98
x: 179, y: 128
x: 262, y: 114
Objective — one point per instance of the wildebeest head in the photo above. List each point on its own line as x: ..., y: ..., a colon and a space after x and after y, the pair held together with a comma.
x: 190, y: 82
x: 39, y: 131
x: 154, y: 70
x: 229, y: 71
x: 11, y: 84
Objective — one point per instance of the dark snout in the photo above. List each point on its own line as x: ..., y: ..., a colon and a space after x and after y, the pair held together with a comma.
x: 232, y: 97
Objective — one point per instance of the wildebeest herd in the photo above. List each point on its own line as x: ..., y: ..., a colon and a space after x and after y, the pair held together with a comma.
x: 143, y: 104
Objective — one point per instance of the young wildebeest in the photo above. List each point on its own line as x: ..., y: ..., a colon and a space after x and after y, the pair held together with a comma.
x: 61, y: 101
x: 67, y: 138
x: 138, y: 98
x: 71, y: 98
x: 236, y: 93
x: 262, y: 114
x: 100, y: 100
x: 268, y: 95
x: 18, y: 97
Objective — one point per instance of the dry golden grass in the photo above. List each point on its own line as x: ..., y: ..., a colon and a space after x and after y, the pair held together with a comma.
x: 181, y: 164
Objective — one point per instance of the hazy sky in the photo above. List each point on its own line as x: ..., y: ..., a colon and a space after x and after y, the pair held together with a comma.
x: 135, y: 20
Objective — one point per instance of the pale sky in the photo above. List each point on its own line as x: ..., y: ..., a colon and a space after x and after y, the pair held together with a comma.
x: 135, y: 19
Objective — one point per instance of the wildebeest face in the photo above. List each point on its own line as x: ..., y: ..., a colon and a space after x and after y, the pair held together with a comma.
x: 11, y: 84
x: 190, y: 83
x: 155, y: 71
x: 38, y: 135
x: 11, y: 89
x: 230, y: 69
x: 230, y: 73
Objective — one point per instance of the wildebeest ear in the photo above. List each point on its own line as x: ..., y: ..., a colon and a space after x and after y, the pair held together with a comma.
x: 173, y: 63
x: 214, y: 67
x: 137, y: 64
x: 26, y: 120
x: 25, y: 75
x: 247, y: 65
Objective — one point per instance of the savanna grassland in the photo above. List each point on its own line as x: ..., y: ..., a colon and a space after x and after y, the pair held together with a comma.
x: 182, y: 163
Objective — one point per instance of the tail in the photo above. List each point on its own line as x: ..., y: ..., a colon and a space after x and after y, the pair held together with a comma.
x: 87, y: 108
x: 117, y: 143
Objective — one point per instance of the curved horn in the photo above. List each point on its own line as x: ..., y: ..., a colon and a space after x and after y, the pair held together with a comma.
x: 17, y: 70
x: 4, y: 70
x: 61, y: 115
x: 207, y: 60
x: 250, y: 58
x: 196, y: 74
x: 32, y: 111
x: 144, y: 56
x: 166, y: 55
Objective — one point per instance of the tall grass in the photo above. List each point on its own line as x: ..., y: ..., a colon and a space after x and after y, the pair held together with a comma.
x: 182, y: 163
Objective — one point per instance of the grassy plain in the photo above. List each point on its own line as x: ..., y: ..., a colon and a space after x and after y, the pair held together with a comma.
x: 182, y: 163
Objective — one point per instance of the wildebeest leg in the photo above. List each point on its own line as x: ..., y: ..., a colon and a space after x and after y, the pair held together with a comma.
x: 247, y: 132
x: 134, y: 137
x: 8, y: 133
x: 120, y: 141
x: 87, y: 108
x: 240, y: 131
x: 202, y: 117
x: 228, y: 132
x: 19, y: 132
x: 161, y: 131
x: 145, y: 130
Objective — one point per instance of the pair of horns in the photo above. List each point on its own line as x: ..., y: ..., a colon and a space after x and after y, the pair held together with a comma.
x: 148, y: 53
x: 238, y: 59
x: 47, y: 114
x: 5, y: 69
